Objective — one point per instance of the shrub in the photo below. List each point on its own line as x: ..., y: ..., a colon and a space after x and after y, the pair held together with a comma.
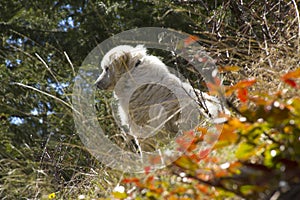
x: 257, y: 155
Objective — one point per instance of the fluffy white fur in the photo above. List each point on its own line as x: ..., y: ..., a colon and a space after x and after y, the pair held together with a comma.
x: 149, y: 96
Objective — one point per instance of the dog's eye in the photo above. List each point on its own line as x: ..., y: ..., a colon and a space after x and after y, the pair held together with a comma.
x: 106, y: 69
x: 137, y: 63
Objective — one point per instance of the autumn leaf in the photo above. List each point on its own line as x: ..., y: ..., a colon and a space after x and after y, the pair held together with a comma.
x: 242, y: 94
x: 294, y: 105
x: 290, y: 82
x: 221, y: 173
x: 147, y: 169
x: 202, y: 188
x: 190, y: 40
x: 204, y: 153
x: 185, y: 141
x: 119, y: 195
x: 240, y: 85
x: 241, y: 88
x: 215, y: 87
x: 203, y: 132
x: 245, y: 83
x: 232, y: 68
x: 228, y: 133
x: 292, y: 74
x: 186, y: 162
x: 288, y: 77
x: 131, y: 180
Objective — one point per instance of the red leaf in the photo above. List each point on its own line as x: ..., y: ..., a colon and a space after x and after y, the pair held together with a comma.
x: 288, y: 77
x: 290, y: 82
x: 242, y: 94
x: 185, y: 141
x: 204, y: 153
x: 147, y: 170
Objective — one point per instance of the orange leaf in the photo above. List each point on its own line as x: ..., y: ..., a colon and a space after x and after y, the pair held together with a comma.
x: 234, y: 167
x: 173, y: 197
x: 292, y: 74
x: 288, y: 77
x: 203, y: 132
x: 228, y: 132
x: 240, y: 85
x: 150, y: 179
x: 245, y: 83
x: 221, y: 173
x: 242, y: 94
x: 131, y: 180
x: 179, y: 190
x: 202, y: 188
x: 190, y: 40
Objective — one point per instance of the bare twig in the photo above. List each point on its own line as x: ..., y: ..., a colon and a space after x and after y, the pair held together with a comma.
x: 58, y: 83
x: 71, y: 64
x: 47, y: 94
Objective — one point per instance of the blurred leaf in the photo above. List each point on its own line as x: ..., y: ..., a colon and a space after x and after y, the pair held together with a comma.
x: 186, y: 141
x: 231, y: 68
x: 292, y: 74
x: 240, y: 85
x: 288, y: 77
x: 131, y: 180
x: 229, y: 132
x: 290, y: 82
x: 295, y: 105
x: 204, y: 153
x: 190, y: 40
x: 242, y: 94
x: 119, y: 195
x: 147, y: 169
x: 186, y: 162
x: 245, y: 150
x: 215, y: 87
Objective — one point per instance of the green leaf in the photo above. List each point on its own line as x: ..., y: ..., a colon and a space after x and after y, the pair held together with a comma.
x: 245, y: 150
x: 119, y: 195
x: 186, y: 162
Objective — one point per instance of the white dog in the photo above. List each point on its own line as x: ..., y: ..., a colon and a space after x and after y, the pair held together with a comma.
x: 150, y: 98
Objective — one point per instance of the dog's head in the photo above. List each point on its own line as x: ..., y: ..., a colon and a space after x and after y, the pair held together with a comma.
x: 118, y: 61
